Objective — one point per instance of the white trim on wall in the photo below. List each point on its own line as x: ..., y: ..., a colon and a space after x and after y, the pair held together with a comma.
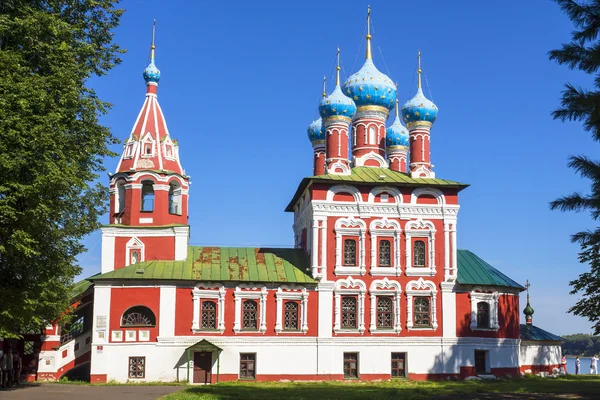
x: 380, y: 288
x: 349, y: 286
x: 350, y: 227
x: 421, y: 288
x: 254, y: 292
x: 387, y: 228
x: 420, y: 229
x: 478, y: 295
x: 292, y: 292
x: 205, y: 291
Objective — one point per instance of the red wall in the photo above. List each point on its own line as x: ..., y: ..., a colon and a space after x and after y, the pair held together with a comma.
x: 123, y: 298
x: 155, y: 248
x: 508, y: 317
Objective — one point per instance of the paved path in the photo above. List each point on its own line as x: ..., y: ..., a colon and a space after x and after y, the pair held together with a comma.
x: 55, y: 391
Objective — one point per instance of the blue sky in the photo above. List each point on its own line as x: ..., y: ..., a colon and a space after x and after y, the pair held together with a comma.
x: 241, y: 82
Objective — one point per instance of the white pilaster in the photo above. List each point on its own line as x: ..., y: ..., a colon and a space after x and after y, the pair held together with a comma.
x: 182, y: 235
x: 166, y: 324
x: 314, y: 244
x: 446, y: 251
x: 108, y: 253
x: 448, y: 310
x: 325, y: 307
x: 324, y: 248
x: 100, y: 331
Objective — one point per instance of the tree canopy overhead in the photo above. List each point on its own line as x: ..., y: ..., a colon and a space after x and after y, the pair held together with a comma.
x: 583, y: 105
x: 51, y: 149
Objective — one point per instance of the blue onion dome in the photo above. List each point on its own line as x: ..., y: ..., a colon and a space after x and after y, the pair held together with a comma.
x: 369, y: 87
x: 419, y: 109
x: 396, y: 134
x: 337, y: 104
x: 151, y: 73
x: 316, y: 131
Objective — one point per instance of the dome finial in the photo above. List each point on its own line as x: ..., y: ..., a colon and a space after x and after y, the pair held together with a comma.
x: 369, y: 56
x: 397, y: 114
x: 324, y: 86
x: 528, y: 311
x: 419, y: 68
x: 153, y: 46
x: 337, y: 69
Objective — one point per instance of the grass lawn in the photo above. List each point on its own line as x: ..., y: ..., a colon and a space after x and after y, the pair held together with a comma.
x: 569, y: 387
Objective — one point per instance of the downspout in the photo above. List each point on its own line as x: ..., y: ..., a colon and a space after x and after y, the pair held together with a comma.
x: 188, y: 365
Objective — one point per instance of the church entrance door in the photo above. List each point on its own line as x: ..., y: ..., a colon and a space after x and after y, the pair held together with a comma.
x: 202, y: 367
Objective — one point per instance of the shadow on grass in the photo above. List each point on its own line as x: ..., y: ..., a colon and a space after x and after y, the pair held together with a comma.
x: 529, y: 388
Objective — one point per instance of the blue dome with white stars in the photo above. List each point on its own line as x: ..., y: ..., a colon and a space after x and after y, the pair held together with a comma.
x: 369, y: 87
x: 419, y: 109
x: 337, y: 104
x: 396, y: 134
x: 151, y: 73
x: 316, y: 131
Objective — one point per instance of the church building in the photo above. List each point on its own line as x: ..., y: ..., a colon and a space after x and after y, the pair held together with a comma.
x: 374, y: 288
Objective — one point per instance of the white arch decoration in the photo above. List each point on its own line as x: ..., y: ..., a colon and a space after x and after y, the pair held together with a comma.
x: 350, y: 227
x: 361, y: 161
x: 421, y: 229
x: 385, y: 228
x: 385, y: 287
x: 349, y: 286
x: 338, y: 164
x: 344, y: 189
x: 421, y: 288
x: 385, y: 189
x: 441, y: 199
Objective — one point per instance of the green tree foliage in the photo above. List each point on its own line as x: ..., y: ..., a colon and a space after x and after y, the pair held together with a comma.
x: 583, y: 105
x: 581, y: 344
x: 51, y: 149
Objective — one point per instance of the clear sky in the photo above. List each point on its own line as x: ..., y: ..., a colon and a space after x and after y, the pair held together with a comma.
x: 241, y: 81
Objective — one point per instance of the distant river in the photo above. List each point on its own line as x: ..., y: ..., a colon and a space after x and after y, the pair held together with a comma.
x: 585, y: 365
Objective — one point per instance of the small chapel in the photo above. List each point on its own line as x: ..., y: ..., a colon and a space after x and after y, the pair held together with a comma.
x: 375, y: 286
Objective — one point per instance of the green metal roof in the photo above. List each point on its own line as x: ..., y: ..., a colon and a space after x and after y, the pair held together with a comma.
x: 530, y: 332
x: 80, y: 287
x: 373, y: 176
x: 224, y: 264
x: 472, y: 270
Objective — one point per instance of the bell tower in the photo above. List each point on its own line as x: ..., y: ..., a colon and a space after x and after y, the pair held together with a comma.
x: 148, y: 191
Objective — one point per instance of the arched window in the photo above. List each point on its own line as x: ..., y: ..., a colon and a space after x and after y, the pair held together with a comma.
x: 385, y: 313
x: 419, y: 254
x: 483, y: 315
x: 349, y: 319
x: 120, y: 200
x: 372, y: 135
x: 250, y: 315
x: 208, y: 315
x: 422, y: 312
x: 384, y: 253
x: 148, y: 149
x: 290, y: 317
x: 349, y: 252
x: 138, y: 316
x: 175, y: 198
x: 147, y: 196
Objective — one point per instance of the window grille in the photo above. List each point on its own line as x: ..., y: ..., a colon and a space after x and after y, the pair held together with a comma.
x: 349, y: 252
x: 349, y: 320
x: 350, y: 365
x: 483, y: 315
x: 290, y: 322
x: 247, y: 366
x: 385, y: 248
x: 422, y: 311
x: 208, y: 315
x: 419, y: 254
x: 138, y: 316
x: 250, y: 312
x: 385, y: 316
x: 137, y: 367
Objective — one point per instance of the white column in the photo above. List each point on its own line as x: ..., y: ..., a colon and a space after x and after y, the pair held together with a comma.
x: 446, y: 251
x: 314, y: 259
x: 108, y: 252
x: 325, y: 290
x: 324, y: 248
x: 454, y: 252
x: 373, y: 325
x: 100, y: 332
x: 166, y: 324
x: 304, y: 311
x: 278, y: 317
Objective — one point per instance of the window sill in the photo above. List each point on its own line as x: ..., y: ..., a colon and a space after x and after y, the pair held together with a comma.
x: 420, y: 271
x: 146, y: 212
x: 385, y: 271
x: 208, y: 331
x: 346, y: 330
x: 421, y: 328
x: 347, y: 270
x: 484, y: 329
x: 384, y: 331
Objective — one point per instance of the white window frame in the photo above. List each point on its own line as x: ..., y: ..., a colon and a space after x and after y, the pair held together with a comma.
x: 208, y: 291
x: 384, y: 228
x: 296, y: 293
x: 130, y: 148
x: 421, y: 288
x: 349, y: 287
x: 491, y: 298
x: 350, y: 227
x: 134, y: 244
x: 420, y: 229
x: 147, y: 139
x: 120, y: 198
x: 252, y: 292
x: 385, y: 288
x: 169, y: 143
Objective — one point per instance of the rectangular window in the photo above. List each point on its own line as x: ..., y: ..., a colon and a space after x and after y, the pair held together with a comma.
x: 351, y: 365
x: 483, y: 315
x: 137, y: 367
x: 419, y: 254
x: 250, y: 315
x: 385, y: 314
x: 422, y: 312
x: 349, y: 311
x: 208, y: 315
x: 398, y: 365
x: 385, y: 248
x: 247, y: 365
x: 349, y: 252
